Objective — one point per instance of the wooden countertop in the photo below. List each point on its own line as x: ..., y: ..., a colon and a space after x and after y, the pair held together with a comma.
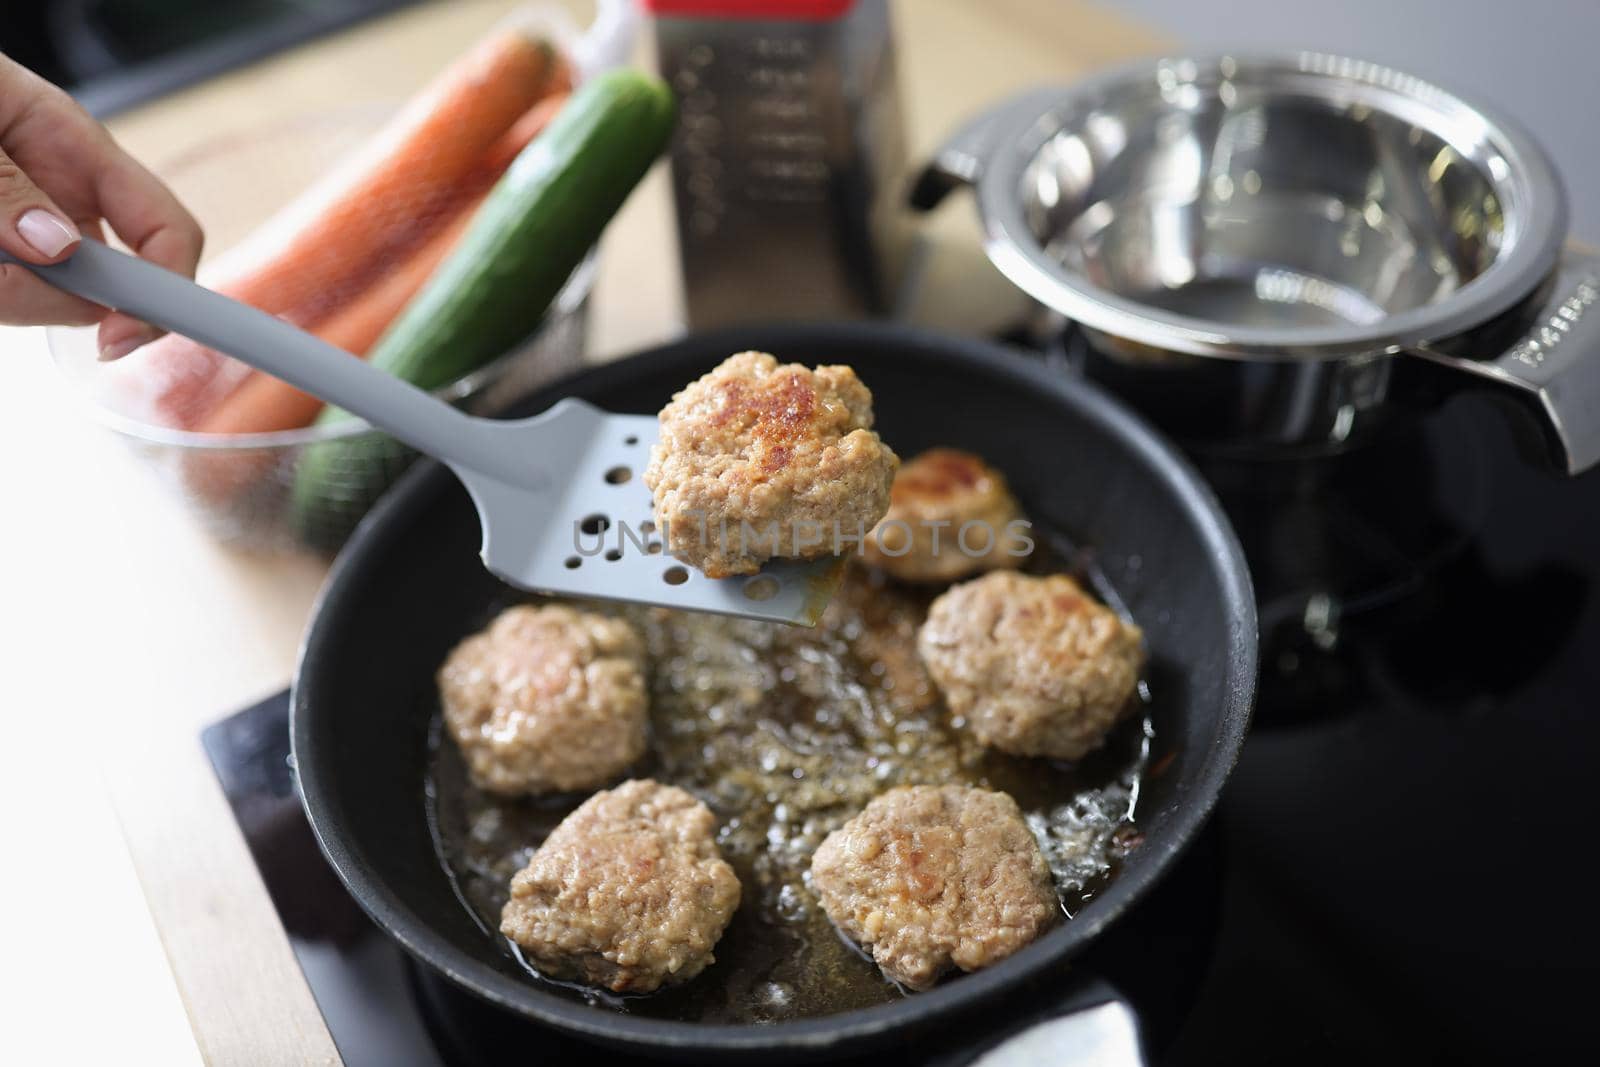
x: 133, y: 629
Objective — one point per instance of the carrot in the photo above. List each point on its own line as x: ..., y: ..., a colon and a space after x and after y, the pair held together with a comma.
x: 172, y: 381
x: 370, y: 206
x: 330, y: 243
x: 265, y: 403
x: 509, y: 146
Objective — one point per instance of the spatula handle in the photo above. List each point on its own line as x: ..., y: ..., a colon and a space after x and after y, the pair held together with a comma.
x: 140, y: 288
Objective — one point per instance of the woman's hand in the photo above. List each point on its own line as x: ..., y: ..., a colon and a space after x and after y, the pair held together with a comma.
x: 61, y: 174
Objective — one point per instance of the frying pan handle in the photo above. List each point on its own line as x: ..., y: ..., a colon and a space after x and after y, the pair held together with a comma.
x: 960, y: 160
x: 1553, y: 369
x: 114, y: 279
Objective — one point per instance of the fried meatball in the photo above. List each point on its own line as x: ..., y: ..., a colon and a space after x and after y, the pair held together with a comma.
x: 547, y: 699
x: 933, y: 877
x: 1033, y: 665
x: 629, y: 892
x: 935, y: 497
x: 758, y: 461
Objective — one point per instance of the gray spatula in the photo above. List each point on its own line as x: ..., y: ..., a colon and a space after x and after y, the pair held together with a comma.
x: 558, y: 495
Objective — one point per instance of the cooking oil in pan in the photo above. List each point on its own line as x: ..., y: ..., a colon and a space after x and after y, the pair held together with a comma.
x: 786, y: 733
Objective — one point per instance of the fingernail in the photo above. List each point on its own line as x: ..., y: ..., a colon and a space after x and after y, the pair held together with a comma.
x: 112, y: 353
x: 45, y: 233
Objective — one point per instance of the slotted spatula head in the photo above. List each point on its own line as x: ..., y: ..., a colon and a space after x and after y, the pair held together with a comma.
x: 589, y: 531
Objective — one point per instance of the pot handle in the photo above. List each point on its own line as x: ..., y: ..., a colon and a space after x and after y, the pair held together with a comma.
x: 960, y: 160
x: 1553, y: 368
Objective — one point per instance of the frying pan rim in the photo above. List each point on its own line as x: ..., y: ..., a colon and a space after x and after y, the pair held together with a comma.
x: 412, y: 932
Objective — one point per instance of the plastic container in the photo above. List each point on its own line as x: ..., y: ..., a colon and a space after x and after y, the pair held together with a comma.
x: 232, y: 184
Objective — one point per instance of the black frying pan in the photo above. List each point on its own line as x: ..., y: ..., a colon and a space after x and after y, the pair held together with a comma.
x: 410, y: 585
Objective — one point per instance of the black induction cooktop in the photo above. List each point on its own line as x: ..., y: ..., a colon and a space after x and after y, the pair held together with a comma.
x: 1395, y: 873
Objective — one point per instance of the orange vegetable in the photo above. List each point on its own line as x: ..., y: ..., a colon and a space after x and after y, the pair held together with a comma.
x: 504, y: 151
x: 332, y: 242
x: 264, y: 403
x: 402, y: 179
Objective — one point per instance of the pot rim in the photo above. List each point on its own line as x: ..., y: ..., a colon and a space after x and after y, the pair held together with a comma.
x: 1527, y: 184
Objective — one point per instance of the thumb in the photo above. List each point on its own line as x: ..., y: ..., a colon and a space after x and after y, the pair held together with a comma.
x: 31, y: 226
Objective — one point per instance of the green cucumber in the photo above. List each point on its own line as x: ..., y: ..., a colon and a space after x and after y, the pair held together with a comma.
x: 492, y: 292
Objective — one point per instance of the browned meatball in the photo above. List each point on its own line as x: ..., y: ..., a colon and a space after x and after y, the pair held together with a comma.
x: 547, y: 699
x: 758, y: 461
x: 933, y: 877
x: 1033, y: 665
x: 950, y: 515
x: 629, y: 892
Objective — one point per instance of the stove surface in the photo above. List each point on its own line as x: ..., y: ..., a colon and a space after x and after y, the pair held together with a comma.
x: 1386, y: 879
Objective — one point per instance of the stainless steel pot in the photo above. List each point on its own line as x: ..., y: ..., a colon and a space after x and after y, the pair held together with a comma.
x: 1271, y: 254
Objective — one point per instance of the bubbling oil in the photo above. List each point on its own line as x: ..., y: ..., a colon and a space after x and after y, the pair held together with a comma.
x: 786, y: 733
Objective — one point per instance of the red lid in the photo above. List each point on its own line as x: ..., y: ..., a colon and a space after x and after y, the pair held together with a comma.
x: 776, y: 10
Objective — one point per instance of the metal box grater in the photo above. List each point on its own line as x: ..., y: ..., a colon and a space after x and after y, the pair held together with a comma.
x: 788, y: 164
